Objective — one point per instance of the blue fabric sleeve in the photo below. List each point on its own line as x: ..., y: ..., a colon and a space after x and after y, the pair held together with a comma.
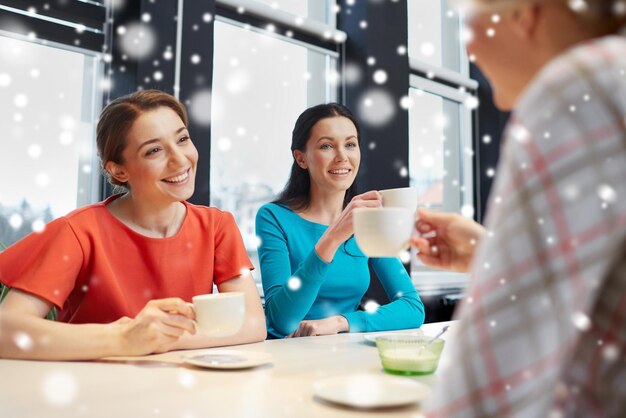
x: 284, y: 307
x: 405, y: 309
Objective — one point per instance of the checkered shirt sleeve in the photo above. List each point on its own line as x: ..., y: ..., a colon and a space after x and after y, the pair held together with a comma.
x: 542, y: 330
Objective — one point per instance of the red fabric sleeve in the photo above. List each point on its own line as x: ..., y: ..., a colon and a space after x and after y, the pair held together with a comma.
x: 230, y: 253
x: 45, y: 263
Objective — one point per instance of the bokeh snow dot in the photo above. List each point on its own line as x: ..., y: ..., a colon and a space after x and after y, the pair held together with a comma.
x: 471, y: 102
x: 42, y: 179
x: 380, y: 76
x: 186, y: 379
x: 237, y: 82
x: 376, y: 107
x: 294, y: 283
x: 66, y: 138
x: 34, y: 151
x: 224, y: 144
x: 581, y: 321
x: 137, y: 40
x: 467, y: 211
x: 16, y: 220
x: 38, y: 225
x: 607, y: 193
x: 5, y: 80
x: 427, y: 49
x: 200, y: 107
x: 371, y: 306
x: 23, y: 341
x: 60, y: 388
x: 20, y: 100
x: 352, y: 74
x: 406, y: 102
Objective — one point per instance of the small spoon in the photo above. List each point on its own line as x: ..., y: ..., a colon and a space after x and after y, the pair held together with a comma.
x: 439, y: 334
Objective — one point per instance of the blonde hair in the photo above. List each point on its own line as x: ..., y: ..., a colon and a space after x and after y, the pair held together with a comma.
x: 602, y: 17
x: 118, y: 117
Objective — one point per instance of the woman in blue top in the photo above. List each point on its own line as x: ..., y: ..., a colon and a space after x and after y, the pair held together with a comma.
x: 314, y: 274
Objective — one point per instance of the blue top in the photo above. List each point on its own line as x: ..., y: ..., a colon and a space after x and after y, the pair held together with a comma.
x: 325, y: 289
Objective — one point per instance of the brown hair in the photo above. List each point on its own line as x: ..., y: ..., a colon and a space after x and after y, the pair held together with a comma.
x: 118, y: 117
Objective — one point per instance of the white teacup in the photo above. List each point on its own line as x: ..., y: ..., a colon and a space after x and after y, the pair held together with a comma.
x: 383, y: 232
x: 219, y: 314
x: 404, y: 197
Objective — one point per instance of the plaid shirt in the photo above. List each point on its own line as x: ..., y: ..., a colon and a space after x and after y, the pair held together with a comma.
x: 542, y: 330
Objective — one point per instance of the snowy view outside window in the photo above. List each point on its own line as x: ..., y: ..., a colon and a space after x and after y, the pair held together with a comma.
x: 260, y: 86
x: 48, y: 121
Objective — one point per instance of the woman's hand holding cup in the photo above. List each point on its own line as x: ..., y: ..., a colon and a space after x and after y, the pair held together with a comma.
x: 160, y: 323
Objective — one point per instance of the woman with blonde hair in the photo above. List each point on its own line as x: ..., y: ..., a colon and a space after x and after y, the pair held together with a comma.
x: 542, y: 330
x: 122, y: 271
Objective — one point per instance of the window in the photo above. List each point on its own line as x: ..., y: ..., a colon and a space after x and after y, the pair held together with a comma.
x: 434, y: 34
x: 440, y: 119
x: 47, y: 111
x: 262, y: 81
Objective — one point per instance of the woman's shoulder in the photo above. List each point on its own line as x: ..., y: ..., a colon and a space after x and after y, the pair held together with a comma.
x: 209, y: 214
x: 274, y: 210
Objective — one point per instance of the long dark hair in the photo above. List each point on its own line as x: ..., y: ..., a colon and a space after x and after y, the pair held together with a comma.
x: 297, y: 192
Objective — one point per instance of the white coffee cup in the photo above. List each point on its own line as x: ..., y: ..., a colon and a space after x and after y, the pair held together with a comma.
x: 219, y: 314
x: 383, y: 232
x: 404, y: 197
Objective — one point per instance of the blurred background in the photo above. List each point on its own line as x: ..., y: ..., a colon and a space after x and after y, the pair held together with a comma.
x: 246, y: 69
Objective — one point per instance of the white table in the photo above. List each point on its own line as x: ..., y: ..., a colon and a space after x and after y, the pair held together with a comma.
x: 163, y: 386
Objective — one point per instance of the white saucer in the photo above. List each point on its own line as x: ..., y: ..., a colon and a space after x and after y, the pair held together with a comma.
x: 371, y: 336
x: 366, y: 391
x: 228, y: 359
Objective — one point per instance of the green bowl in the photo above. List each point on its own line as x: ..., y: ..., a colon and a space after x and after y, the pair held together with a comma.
x: 409, y: 355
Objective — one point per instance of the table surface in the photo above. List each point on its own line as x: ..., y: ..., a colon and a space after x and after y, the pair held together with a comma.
x: 164, y: 386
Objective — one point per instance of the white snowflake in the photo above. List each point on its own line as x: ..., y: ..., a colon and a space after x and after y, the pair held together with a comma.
x: 200, y: 107
x: 38, y: 225
x: 427, y: 49
x: 371, y: 306
x: 294, y: 283
x: 607, y: 193
x: 376, y: 107
x: 23, y: 341
x: 380, y: 76
x: 471, y: 102
x: 20, y: 100
x: 137, y: 40
x: 60, y: 388
x: 186, y: 379
x: 224, y: 144
x: 581, y: 321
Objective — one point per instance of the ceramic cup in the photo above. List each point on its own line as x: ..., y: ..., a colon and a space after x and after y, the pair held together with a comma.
x: 219, y: 314
x: 405, y: 197
x: 383, y: 232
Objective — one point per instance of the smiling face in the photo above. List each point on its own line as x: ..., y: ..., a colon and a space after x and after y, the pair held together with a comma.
x: 159, y: 160
x: 332, y: 154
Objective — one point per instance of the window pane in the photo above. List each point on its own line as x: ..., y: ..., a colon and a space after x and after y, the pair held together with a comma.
x: 261, y: 84
x: 434, y: 33
x: 435, y: 150
x: 47, y: 114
